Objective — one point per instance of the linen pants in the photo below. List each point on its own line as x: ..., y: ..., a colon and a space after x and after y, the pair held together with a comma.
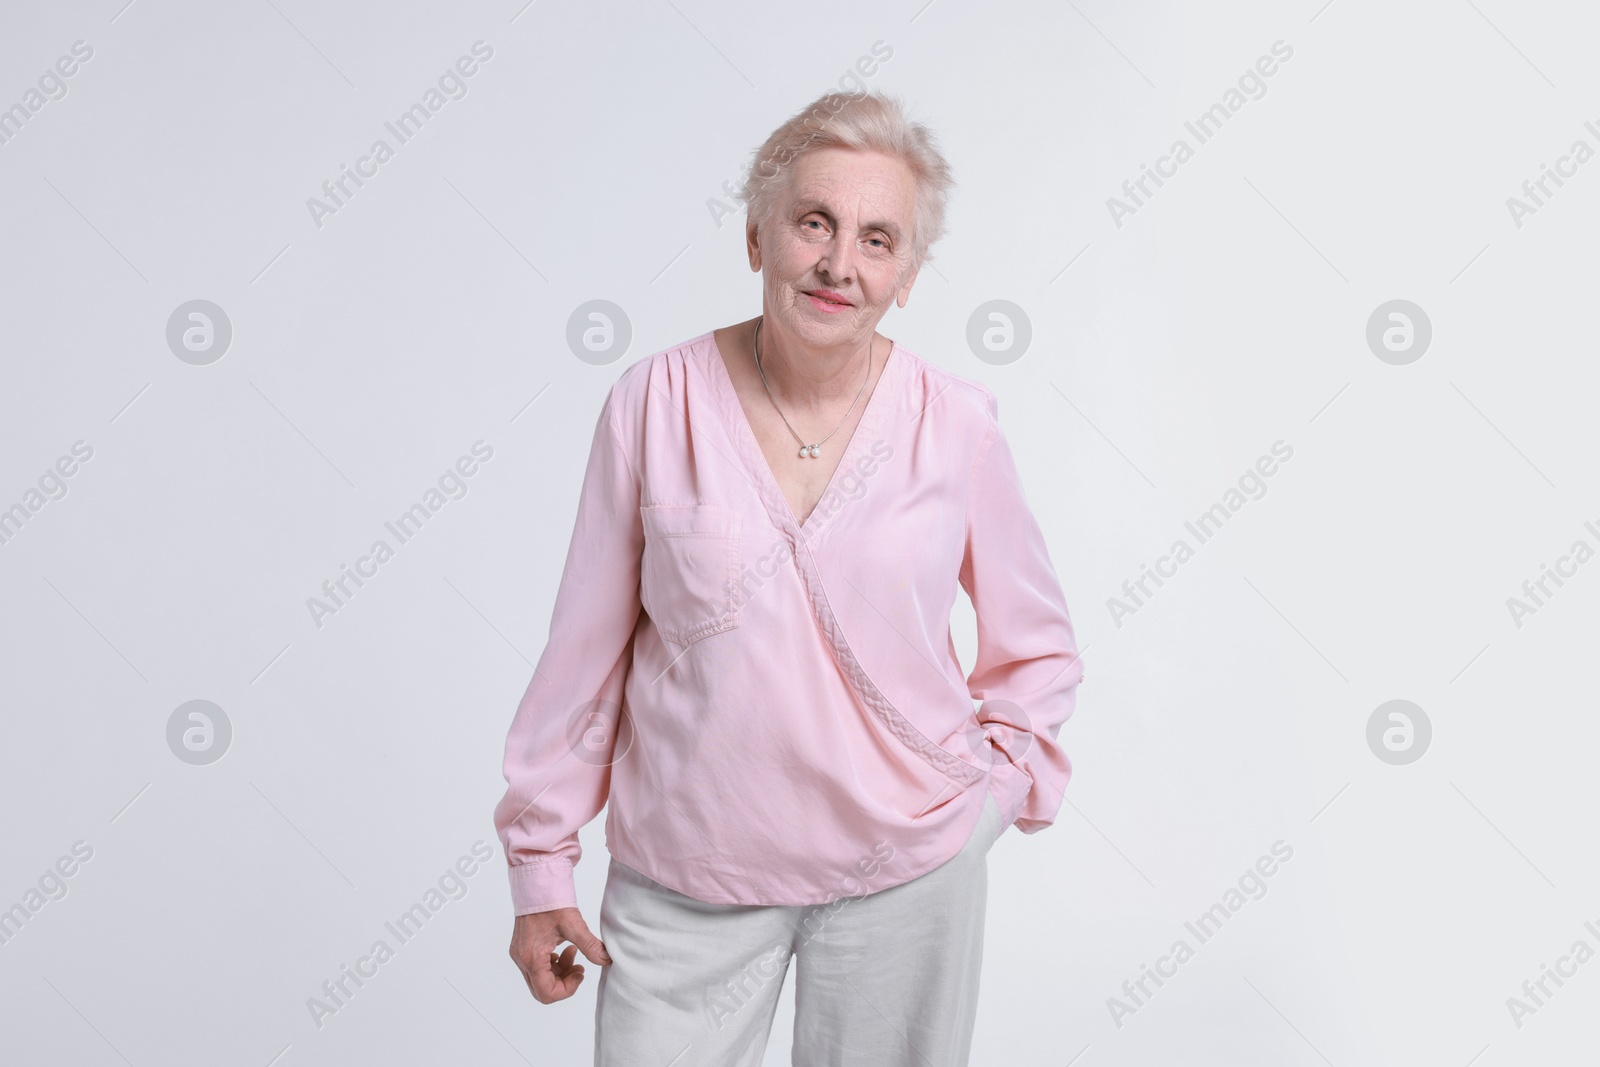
x: 885, y: 980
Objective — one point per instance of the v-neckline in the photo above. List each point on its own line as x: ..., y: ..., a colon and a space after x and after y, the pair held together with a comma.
x: 756, y: 459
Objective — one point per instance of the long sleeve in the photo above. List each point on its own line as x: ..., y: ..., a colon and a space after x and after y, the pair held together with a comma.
x: 1027, y: 669
x: 563, y: 737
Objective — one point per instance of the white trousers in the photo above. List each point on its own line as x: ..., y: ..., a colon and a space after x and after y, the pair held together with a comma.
x: 883, y: 980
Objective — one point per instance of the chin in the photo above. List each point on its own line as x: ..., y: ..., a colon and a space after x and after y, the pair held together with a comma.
x: 824, y: 321
x: 827, y: 331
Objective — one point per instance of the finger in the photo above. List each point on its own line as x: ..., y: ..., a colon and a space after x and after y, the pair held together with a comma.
x: 543, y: 979
x: 569, y: 961
x: 566, y: 971
x: 562, y: 962
x: 577, y: 931
x: 527, y: 977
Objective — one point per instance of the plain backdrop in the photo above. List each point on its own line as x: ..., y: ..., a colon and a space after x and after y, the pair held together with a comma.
x: 1172, y: 346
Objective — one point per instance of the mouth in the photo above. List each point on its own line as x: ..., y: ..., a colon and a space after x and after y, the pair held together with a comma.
x: 828, y: 300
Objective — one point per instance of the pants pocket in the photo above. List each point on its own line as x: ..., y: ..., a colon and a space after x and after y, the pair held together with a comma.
x: 989, y: 824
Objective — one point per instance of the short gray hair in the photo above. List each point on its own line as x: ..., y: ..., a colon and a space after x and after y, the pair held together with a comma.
x: 862, y: 120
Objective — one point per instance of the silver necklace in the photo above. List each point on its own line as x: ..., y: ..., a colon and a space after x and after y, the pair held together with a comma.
x: 805, y: 449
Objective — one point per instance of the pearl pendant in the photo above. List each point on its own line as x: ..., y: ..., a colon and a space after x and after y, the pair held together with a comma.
x: 808, y: 450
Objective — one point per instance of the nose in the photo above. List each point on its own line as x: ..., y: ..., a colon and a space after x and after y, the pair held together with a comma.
x: 837, y: 264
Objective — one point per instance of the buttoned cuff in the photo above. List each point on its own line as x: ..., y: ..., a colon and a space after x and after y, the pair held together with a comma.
x: 542, y: 887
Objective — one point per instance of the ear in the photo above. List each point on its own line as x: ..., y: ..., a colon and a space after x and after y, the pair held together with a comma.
x: 904, y: 292
x: 752, y: 244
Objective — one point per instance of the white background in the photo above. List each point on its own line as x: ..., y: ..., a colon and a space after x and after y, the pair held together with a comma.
x: 1168, y: 354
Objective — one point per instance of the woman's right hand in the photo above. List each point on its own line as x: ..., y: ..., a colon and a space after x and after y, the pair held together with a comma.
x: 553, y: 977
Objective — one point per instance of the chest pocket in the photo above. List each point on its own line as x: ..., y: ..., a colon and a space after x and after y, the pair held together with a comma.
x: 689, y: 573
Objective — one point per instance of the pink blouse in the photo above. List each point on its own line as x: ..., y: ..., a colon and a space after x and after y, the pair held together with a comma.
x: 774, y: 709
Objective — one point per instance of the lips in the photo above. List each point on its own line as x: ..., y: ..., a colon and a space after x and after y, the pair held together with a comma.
x: 830, y: 296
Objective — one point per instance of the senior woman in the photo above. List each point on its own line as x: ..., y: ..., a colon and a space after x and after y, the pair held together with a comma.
x: 750, y: 654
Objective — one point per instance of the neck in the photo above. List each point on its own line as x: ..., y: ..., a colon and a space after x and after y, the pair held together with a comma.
x: 805, y: 375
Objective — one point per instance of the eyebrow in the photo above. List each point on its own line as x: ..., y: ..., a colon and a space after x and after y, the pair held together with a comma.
x: 808, y: 205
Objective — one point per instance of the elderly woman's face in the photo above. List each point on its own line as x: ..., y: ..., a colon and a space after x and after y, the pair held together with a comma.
x: 837, y: 248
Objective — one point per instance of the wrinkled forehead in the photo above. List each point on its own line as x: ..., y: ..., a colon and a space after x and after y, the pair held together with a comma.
x: 854, y: 186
